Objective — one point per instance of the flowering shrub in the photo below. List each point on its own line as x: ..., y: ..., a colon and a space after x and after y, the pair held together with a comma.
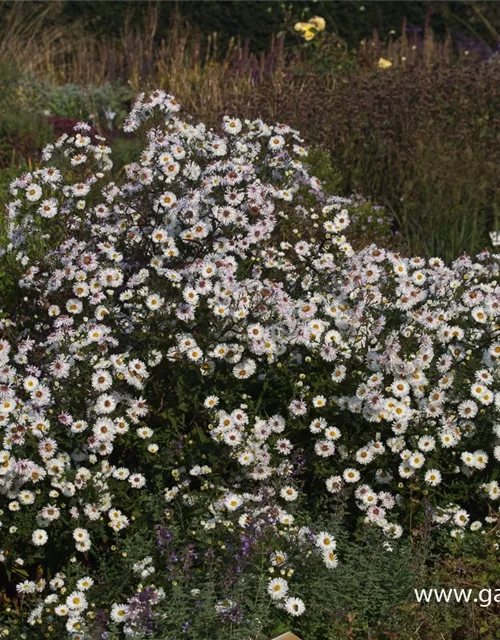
x: 202, y: 364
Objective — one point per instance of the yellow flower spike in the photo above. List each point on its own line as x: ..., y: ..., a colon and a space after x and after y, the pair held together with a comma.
x: 309, y: 35
x: 318, y: 22
x: 384, y: 64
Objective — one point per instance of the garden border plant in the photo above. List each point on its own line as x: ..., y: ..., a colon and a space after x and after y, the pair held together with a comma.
x: 205, y: 384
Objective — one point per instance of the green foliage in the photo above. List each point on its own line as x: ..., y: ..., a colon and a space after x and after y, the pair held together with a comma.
x: 107, y: 104
x: 23, y: 130
x: 10, y: 269
x: 125, y: 151
x: 22, y: 134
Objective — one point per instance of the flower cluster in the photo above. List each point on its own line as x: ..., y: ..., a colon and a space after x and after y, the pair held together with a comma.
x: 309, y: 29
x: 212, y: 302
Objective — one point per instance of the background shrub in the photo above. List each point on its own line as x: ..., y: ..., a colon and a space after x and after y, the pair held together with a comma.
x: 257, y: 21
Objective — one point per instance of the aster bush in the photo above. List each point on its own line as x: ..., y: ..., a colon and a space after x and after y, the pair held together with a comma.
x: 204, y: 385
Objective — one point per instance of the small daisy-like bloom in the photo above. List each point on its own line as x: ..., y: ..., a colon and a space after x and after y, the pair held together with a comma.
x: 232, y: 437
x: 80, y: 534
x: 494, y: 490
x: 74, y: 306
x: 494, y: 350
x: 375, y: 513
x: 330, y: 558
x: 232, y: 126
x: 479, y: 314
x: 405, y: 470
x: 211, y: 402
x: 368, y: 496
x: 168, y: 200
x: 325, y: 541
x: 26, y: 497
x: 255, y: 331
x: 393, y: 530
x: 294, y: 606
x: 416, y: 460
x: 245, y: 458
x: 319, y: 401
x: 195, y: 354
x: 145, y: 432
x: 101, y: 380
x: 50, y: 513
x: 339, y: 374
x: 243, y: 520
x: 105, y: 404
x: 137, y: 480
x: 81, y: 141
x: 159, y: 235
x: 76, y: 601
x: 432, y: 477
x: 277, y: 588
x: 39, y: 537
x: 80, y: 189
x: 48, y: 208
x: 400, y: 388
x: 78, y: 426
x: 85, y: 583
x: 286, y: 518
x: 400, y: 268
x: 154, y: 302
x: 33, y: 192
x: 448, y: 439
x: 232, y: 502
x: 74, y: 622
x: 61, y: 610
x: 480, y: 460
x: 289, y: 494
x: 477, y: 390
x: 467, y: 409
x: 278, y: 558
x: 461, y: 518
x: 334, y: 484
x: 468, y: 458
x: 427, y: 443
x: 324, y: 448
x: 364, y: 455
x: 332, y: 433
x: 81, y: 289
x: 351, y: 475
x: 119, y: 612
x: 487, y: 397
x: 244, y: 369
x: 27, y: 586
x: 276, y: 143
x: 318, y: 425
x: 283, y: 446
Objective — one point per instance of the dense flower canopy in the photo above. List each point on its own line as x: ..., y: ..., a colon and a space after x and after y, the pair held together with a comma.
x: 212, y: 303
